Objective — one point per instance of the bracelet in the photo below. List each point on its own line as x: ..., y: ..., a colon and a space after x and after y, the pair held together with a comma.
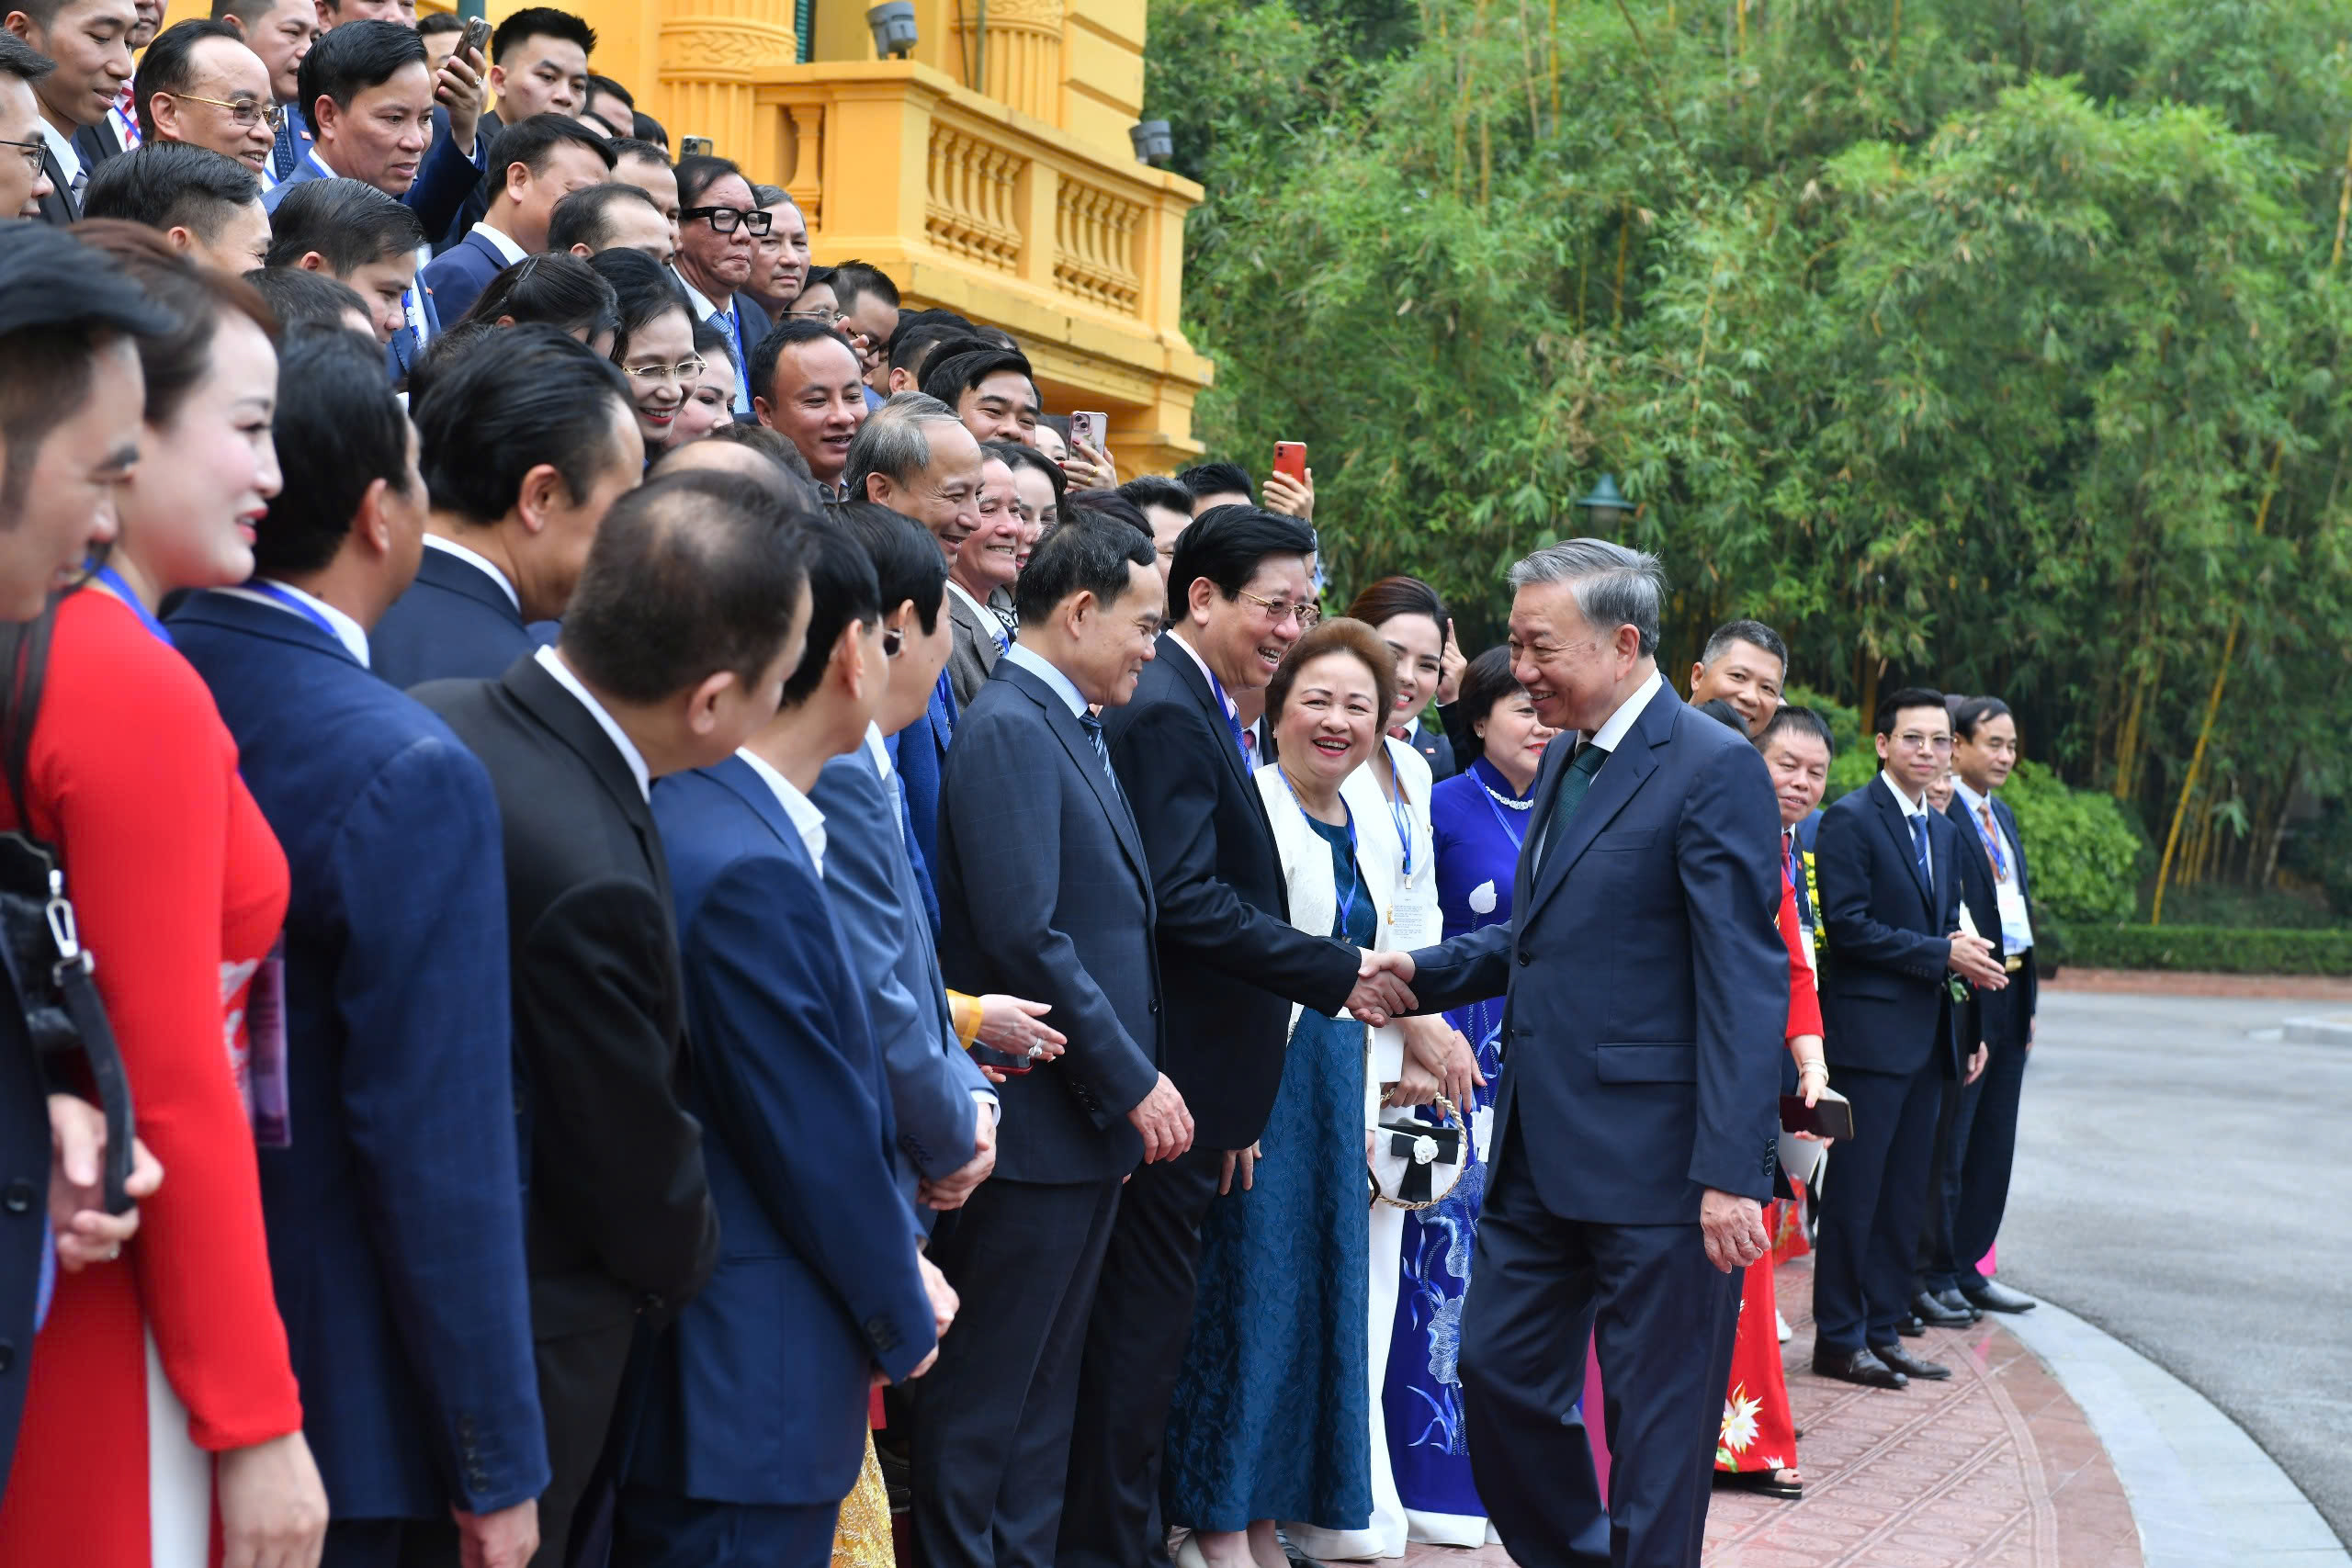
x: 1820, y: 1067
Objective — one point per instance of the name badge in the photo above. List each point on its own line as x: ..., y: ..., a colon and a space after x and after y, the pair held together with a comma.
x: 266, y: 1084
x: 1415, y: 925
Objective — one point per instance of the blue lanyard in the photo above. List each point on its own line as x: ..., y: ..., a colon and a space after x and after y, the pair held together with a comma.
x: 1401, y: 811
x: 1355, y: 877
x: 1517, y: 835
x: 113, y: 580
x: 1992, y: 842
x: 275, y: 594
x: 1224, y: 706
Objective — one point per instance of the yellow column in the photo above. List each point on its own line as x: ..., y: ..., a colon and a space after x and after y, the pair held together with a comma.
x: 708, y: 51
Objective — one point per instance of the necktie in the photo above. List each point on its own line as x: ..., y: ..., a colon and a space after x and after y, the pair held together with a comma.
x: 1993, y: 841
x: 1573, y: 789
x: 77, y: 185
x: 281, y: 151
x: 722, y: 323
x: 1093, y: 727
x: 1919, y: 852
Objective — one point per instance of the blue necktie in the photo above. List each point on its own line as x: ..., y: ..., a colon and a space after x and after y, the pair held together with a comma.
x: 724, y: 323
x: 1919, y: 852
x: 1093, y: 727
x: 281, y: 151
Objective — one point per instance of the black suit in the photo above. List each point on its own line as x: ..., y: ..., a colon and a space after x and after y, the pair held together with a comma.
x: 618, y: 1220
x: 59, y: 206
x: 454, y: 623
x: 24, y: 1174
x: 1233, y: 964
x: 1044, y: 893
x: 96, y: 144
x: 1892, y: 1043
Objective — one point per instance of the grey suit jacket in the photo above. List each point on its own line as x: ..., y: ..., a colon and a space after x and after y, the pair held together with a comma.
x: 871, y: 885
x: 974, y: 656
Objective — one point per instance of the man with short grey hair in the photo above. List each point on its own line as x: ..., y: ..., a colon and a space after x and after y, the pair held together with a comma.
x: 1646, y: 991
x: 913, y: 456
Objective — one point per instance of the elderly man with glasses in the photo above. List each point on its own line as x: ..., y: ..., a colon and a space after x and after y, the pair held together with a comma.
x: 199, y: 82
x: 720, y: 223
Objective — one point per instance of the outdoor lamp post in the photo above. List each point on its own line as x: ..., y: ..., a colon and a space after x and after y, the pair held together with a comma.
x: 1606, y: 507
x: 1154, y: 142
x: 894, y: 27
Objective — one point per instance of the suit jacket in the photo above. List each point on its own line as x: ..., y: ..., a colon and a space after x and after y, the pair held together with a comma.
x: 23, y: 1236
x: 458, y: 276
x: 618, y: 1217
x: 1884, y: 1005
x: 922, y: 757
x: 759, y: 1395
x: 870, y: 884
x: 1647, y: 988
x: 1231, y: 962
x: 440, y: 186
x: 395, y: 1214
x: 476, y: 206
x: 976, y: 648
x: 59, y: 206
x: 96, y: 144
x: 1435, y: 748
x: 406, y: 348
x: 1044, y: 893
x: 2027, y: 980
x: 453, y: 622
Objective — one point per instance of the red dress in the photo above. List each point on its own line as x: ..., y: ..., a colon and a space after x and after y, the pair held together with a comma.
x: 180, y: 888
x: 1758, y: 1433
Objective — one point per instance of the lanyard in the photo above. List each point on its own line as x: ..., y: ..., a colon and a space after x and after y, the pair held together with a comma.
x: 278, y: 596
x: 113, y: 580
x: 1516, y: 834
x: 1224, y: 706
x: 1992, y: 842
x: 1355, y: 877
x: 1400, y: 813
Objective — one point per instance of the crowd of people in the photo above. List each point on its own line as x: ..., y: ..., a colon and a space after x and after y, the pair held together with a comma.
x: 709, y: 927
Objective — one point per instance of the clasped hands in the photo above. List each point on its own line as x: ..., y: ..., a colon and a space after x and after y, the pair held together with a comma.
x: 1384, y: 988
x: 1972, y: 959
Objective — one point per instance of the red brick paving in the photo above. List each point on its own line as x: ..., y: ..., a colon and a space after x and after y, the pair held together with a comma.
x: 2187, y: 983
x: 1995, y: 1469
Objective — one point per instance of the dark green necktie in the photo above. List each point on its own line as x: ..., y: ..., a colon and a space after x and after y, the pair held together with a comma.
x: 1573, y: 789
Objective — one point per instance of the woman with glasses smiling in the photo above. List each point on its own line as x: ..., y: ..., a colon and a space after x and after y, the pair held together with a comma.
x: 655, y: 347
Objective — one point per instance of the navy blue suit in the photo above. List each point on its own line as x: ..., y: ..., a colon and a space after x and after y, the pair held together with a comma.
x: 395, y: 1213
x: 459, y: 274
x: 1044, y: 893
x: 921, y: 756
x: 757, y: 1401
x: 24, y: 1173
x: 870, y: 883
x: 1888, y: 1031
x: 454, y: 622
x: 1642, y: 1042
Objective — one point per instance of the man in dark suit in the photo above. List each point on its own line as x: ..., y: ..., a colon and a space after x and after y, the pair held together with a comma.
x: 719, y: 225
x: 25, y: 157
x: 756, y: 1424
x: 1635, y: 1140
x: 88, y: 45
x: 538, y: 64
x: 538, y: 162
x: 367, y: 95
x: 1975, y: 1181
x: 1044, y: 892
x: 1240, y: 591
x: 281, y: 33
x: 525, y: 450
x: 1890, y: 899
x: 391, y: 1181
x: 686, y: 620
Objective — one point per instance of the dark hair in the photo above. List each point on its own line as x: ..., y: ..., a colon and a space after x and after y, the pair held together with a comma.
x: 167, y: 184
x: 584, y: 218
x: 691, y: 574
x: 448, y: 346
x: 532, y: 142
x: 773, y: 444
x: 1390, y: 597
x: 950, y: 377
x: 302, y: 300
x: 246, y: 11
x: 787, y: 333
x: 816, y: 278
x: 908, y: 567
x: 539, y: 21
x: 61, y: 303
x: 1078, y: 555
x: 338, y: 429
x: 1723, y: 713
x: 642, y: 289
x: 1974, y: 711
x: 605, y: 87
x: 699, y: 174
x: 1485, y: 681
x: 1801, y: 720
x: 1755, y: 633
x: 349, y: 223
x: 22, y: 61
x: 1225, y: 545
x: 711, y: 344
x: 1019, y: 455
x: 168, y: 66
x: 555, y: 289
x: 1217, y: 478
x: 652, y: 149
x: 1882, y: 721
x: 842, y: 588
x: 856, y: 279
x: 195, y: 297
x: 912, y: 345
x: 435, y: 22
x: 1341, y: 634
x: 491, y: 418
x: 1110, y: 504
x: 346, y: 60
x: 1147, y: 490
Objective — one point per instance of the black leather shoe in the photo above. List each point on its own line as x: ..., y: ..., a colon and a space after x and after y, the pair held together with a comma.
x: 1910, y: 1326
x: 1990, y: 1296
x: 1935, y: 1314
x: 1864, y: 1367
x: 1950, y: 1300
x: 1901, y: 1360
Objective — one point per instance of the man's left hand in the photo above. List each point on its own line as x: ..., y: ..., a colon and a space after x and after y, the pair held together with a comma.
x: 506, y: 1539
x: 1733, y: 1229
x: 1983, y: 1054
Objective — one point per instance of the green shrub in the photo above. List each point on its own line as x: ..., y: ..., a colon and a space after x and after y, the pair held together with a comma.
x: 2084, y: 854
x: 2214, y: 949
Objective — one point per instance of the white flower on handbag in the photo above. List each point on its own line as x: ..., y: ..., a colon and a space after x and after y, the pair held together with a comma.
x: 1739, y: 1420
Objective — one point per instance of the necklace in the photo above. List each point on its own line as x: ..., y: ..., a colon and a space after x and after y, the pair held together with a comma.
x: 1499, y: 799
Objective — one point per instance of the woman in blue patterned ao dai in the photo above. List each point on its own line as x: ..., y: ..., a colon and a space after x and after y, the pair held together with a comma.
x: 1479, y: 818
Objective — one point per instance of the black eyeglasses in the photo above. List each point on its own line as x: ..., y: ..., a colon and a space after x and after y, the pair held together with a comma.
x: 33, y: 151
x: 727, y: 220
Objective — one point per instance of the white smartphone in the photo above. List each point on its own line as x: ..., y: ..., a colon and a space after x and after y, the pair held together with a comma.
x: 1090, y: 429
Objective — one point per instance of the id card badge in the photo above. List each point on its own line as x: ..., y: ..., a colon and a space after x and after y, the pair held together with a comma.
x: 1414, y: 926
x: 266, y: 1085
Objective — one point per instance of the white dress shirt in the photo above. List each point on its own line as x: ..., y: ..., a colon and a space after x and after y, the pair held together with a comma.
x: 2008, y: 893
x: 69, y: 161
x: 989, y: 623
x: 1612, y: 731
x: 554, y: 666
x: 348, y: 631
x: 807, y: 821
x: 1037, y: 664
x: 1208, y: 674
x: 481, y: 563
x: 508, y: 251
x: 1911, y: 810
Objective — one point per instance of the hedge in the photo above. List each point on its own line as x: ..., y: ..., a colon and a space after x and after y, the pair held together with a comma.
x: 2224, y: 949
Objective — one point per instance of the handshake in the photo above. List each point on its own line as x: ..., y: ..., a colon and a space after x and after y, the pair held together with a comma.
x: 1384, y: 988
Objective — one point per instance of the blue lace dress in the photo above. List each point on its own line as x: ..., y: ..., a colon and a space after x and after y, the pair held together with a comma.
x: 1271, y: 1417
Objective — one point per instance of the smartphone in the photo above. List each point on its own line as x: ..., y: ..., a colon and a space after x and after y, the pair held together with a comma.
x: 476, y: 38
x: 1832, y: 1116
x: 1090, y: 430
x: 1290, y: 457
x: 694, y: 146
